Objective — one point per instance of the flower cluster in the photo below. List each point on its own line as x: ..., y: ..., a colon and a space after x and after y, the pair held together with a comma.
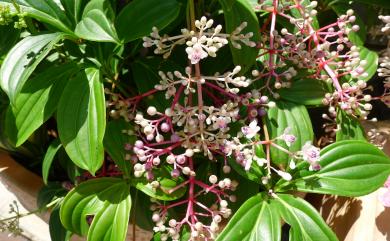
x: 190, y: 129
x: 203, y: 42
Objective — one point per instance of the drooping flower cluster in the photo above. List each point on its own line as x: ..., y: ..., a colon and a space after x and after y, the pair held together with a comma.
x: 189, y: 130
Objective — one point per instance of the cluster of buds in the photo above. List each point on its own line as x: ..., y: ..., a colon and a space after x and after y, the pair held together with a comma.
x: 384, y: 66
x: 203, y: 42
x: 353, y: 101
x: 325, y: 53
x: 7, y: 17
x: 170, y: 228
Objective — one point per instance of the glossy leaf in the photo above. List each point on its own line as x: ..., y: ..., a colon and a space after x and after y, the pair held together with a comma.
x: 74, y: 9
x: 49, y: 157
x: 305, y: 221
x: 115, y: 141
x: 36, y: 102
x: 349, y: 128
x: 95, y: 26
x: 46, y: 11
x: 57, y: 231
x: 106, y: 201
x: 255, y: 220
x: 305, y: 92
x: 167, y: 183
x: 82, y: 119
x: 348, y: 168
x: 22, y: 60
x: 49, y: 193
x: 372, y: 62
x: 287, y: 114
x: 234, y: 14
x: 138, y: 18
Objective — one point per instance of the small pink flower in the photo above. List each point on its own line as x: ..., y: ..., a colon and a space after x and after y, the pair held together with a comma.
x: 310, y: 153
x: 196, y: 53
x: 287, y: 137
x: 251, y: 130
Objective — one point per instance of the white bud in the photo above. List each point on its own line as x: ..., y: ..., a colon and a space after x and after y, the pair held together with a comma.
x: 151, y: 110
x: 213, y: 179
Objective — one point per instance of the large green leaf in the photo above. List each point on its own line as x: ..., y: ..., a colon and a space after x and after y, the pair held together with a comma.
x: 46, y: 11
x: 236, y: 13
x: 348, y: 168
x: 372, y: 62
x: 114, y: 142
x: 95, y: 26
x: 74, y: 9
x: 36, y: 102
x: 287, y: 114
x: 255, y: 220
x: 106, y: 201
x: 349, y: 128
x: 49, y: 157
x: 82, y: 119
x: 305, y: 221
x: 305, y: 92
x: 22, y: 60
x: 139, y: 17
x: 57, y: 231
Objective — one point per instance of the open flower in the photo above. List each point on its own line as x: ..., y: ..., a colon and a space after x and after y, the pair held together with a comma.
x: 287, y: 137
x: 311, y: 154
x: 251, y: 130
x: 196, y: 53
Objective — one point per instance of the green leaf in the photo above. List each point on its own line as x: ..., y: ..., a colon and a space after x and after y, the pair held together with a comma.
x: 36, y: 102
x: 95, y: 26
x: 305, y: 221
x: 241, y: 11
x: 287, y: 114
x: 305, y: 92
x: 115, y: 141
x: 81, y: 119
x: 57, y: 231
x: 372, y: 62
x: 349, y: 128
x: 49, y: 193
x: 145, y: 75
x: 49, y: 157
x: 139, y: 17
x: 348, y: 168
x: 107, y: 201
x: 45, y: 11
x: 255, y: 220
x: 74, y: 9
x: 22, y: 60
x: 167, y: 183
x: 7, y: 41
